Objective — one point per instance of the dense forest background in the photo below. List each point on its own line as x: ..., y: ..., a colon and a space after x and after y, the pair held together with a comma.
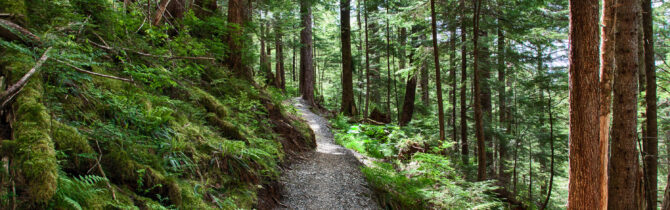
x: 156, y: 104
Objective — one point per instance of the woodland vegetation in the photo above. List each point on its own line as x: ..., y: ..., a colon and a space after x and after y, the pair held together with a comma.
x: 477, y: 104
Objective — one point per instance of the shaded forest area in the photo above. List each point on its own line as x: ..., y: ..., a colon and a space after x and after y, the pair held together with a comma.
x: 478, y: 104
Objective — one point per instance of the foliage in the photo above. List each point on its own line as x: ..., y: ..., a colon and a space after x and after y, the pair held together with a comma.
x: 409, y: 178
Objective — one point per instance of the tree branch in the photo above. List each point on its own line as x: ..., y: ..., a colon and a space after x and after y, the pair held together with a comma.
x: 11, y: 31
x: 16, y: 88
x: 93, y: 73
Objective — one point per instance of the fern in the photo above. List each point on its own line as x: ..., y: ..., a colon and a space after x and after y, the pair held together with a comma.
x: 77, y: 192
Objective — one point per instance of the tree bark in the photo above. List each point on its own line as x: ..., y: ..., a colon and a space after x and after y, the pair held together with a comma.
x: 479, y: 127
x: 551, y: 145
x: 438, y: 80
x: 159, y: 13
x: 651, y: 134
x: 279, y: 45
x: 464, y: 124
x: 388, y: 65
x: 410, y: 89
x: 452, y: 79
x: 584, y: 190
x: 606, y: 70
x: 348, y: 104
x: 624, y: 165
x: 306, y: 53
x: 367, y: 62
x: 502, y: 107
x: 237, y: 18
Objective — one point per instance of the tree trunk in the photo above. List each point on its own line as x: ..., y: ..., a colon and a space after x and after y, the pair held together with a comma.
x: 479, y: 127
x: 237, y: 18
x: 502, y: 107
x: 651, y: 134
x: 306, y: 58
x: 410, y: 89
x: 464, y: 79
x: 438, y: 80
x: 584, y: 190
x: 348, y: 104
x: 423, y: 83
x: 607, y: 60
x: 279, y: 47
x: 452, y: 79
x: 551, y: 145
x: 486, y: 101
x: 367, y: 62
x: 624, y: 165
x: 665, y: 205
x: 159, y: 13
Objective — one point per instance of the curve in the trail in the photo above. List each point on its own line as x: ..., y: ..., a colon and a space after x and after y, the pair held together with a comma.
x: 328, y: 178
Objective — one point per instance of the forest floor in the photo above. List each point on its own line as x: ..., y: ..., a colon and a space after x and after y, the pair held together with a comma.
x: 327, y: 178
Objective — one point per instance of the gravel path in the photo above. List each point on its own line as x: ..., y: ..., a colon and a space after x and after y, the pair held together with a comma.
x: 328, y: 178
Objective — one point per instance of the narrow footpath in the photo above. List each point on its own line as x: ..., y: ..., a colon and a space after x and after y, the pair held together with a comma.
x: 328, y: 178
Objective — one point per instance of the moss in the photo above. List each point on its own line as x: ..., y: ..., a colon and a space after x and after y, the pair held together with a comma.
x: 34, y: 153
x: 68, y: 140
x: 192, y: 199
x: 209, y: 102
x: 228, y: 130
x: 143, y: 179
x: 16, y: 7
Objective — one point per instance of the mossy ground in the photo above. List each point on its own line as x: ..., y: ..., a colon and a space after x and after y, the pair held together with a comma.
x: 184, y: 135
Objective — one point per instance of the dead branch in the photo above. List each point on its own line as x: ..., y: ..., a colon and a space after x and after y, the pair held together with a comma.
x: 12, y: 31
x: 160, y: 12
x: 93, y: 73
x: 16, y: 88
x: 152, y: 55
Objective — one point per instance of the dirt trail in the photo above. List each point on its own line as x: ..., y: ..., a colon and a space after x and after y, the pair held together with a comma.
x: 328, y: 178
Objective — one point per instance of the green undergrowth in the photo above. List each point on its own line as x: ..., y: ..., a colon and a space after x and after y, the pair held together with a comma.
x: 411, y: 172
x: 185, y: 134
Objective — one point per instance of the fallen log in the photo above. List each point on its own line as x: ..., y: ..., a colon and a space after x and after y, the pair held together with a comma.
x: 12, y: 32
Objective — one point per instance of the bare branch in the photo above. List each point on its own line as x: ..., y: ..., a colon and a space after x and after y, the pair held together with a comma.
x: 93, y: 73
x: 15, y: 88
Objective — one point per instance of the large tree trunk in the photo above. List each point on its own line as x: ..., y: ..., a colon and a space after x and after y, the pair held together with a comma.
x: 584, y: 191
x: 651, y: 135
x: 306, y: 58
x: 624, y: 162
x: 408, y: 103
x: 479, y: 127
x: 204, y: 8
x: 607, y: 60
x: 237, y: 18
x: 464, y: 124
x: 410, y: 89
x: 348, y: 104
x: 438, y: 80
